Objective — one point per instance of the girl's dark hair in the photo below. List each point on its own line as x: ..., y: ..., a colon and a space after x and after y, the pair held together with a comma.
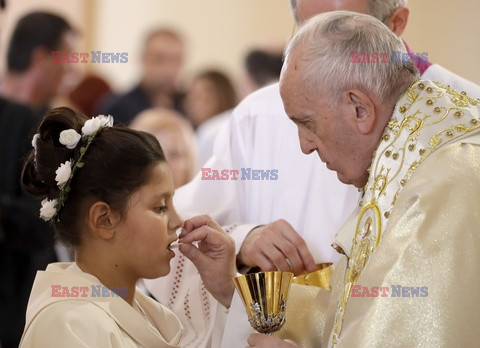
x: 117, y: 163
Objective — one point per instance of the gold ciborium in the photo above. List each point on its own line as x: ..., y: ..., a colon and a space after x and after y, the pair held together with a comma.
x: 264, y: 296
x: 319, y: 278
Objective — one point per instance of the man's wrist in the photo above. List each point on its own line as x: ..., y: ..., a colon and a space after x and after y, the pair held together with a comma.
x: 241, y: 267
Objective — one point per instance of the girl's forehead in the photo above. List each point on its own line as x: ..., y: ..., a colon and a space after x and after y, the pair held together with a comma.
x: 160, y: 178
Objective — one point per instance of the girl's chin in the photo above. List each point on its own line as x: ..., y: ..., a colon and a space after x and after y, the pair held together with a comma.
x: 160, y: 272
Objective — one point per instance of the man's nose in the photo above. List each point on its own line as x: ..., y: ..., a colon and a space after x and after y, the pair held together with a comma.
x: 306, y: 145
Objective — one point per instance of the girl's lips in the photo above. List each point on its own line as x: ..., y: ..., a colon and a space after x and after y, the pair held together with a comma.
x: 175, y: 244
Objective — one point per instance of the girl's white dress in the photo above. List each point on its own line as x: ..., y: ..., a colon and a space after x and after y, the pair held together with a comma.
x: 71, y: 308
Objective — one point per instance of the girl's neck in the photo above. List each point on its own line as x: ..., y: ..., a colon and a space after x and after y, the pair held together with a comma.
x: 109, y: 274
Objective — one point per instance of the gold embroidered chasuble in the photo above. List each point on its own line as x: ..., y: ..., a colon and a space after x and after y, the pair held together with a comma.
x: 417, y: 227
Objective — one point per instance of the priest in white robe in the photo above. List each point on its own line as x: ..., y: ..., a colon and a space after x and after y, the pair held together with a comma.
x: 413, y: 146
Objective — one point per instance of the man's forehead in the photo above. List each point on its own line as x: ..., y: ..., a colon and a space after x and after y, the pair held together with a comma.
x: 294, y: 95
x: 294, y: 61
x: 292, y: 68
x: 286, y: 74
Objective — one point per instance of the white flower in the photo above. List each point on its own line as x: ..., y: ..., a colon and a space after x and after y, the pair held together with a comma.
x: 63, y: 173
x: 48, y: 209
x: 94, y: 124
x: 70, y: 138
x: 34, y: 140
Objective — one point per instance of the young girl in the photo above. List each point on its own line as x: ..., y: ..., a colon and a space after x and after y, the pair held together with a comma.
x: 108, y: 192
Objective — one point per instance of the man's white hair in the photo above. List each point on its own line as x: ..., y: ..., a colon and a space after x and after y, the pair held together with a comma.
x: 383, y: 9
x: 329, y: 41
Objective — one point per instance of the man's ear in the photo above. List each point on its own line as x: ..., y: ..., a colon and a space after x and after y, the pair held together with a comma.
x: 362, y: 109
x: 398, y: 20
x: 102, y: 220
x: 39, y: 56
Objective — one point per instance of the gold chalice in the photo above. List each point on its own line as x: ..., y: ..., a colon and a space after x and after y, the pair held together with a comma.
x: 264, y: 296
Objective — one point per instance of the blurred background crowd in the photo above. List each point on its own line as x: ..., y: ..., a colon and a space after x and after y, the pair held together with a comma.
x: 182, y: 67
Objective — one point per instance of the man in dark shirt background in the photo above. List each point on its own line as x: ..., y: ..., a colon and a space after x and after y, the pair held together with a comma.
x: 162, y: 60
x: 26, y: 241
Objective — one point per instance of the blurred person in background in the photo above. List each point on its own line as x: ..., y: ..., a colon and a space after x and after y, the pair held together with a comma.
x: 162, y: 60
x: 26, y: 241
x: 177, y: 138
x: 33, y: 78
x: 208, y: 104
x: 262, y: 67
x: 87, y: 95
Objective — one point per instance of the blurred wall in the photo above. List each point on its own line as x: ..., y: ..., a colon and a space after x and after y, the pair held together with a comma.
x: 217, y: 32
x: 449, y: 31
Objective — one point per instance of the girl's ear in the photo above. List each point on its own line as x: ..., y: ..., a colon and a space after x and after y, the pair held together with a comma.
x: 102, y: 220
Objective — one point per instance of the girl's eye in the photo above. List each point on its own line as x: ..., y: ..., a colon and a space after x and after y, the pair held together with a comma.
x: 162, y: 209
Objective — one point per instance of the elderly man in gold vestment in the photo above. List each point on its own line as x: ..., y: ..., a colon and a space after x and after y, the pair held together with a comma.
x: 411, y: 250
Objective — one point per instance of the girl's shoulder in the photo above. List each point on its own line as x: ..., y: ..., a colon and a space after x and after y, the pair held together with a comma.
x: 72, y: 323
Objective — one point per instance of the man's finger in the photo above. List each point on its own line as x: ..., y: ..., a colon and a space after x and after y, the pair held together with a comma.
x: 307, y: 259
x: 275, y: 255
x: 258, y: 340
x: 264, y: 263
x: 291, y: 253
x: 199, y: 259
x: 302, y: 250
x: 203, y: 233
x: 190, y: 251
x: 196, y: 222
x: 254, y: 338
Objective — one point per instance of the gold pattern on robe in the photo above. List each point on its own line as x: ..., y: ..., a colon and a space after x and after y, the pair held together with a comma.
x: 431, y: 240
x: 414, y: 124
x: 365, y: 241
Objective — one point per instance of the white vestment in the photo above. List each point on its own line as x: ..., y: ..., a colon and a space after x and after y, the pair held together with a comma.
x: 206, y: 134
x: 259, y: 135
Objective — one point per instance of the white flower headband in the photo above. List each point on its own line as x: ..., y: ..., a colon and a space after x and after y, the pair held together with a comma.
x: 64, y: 174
